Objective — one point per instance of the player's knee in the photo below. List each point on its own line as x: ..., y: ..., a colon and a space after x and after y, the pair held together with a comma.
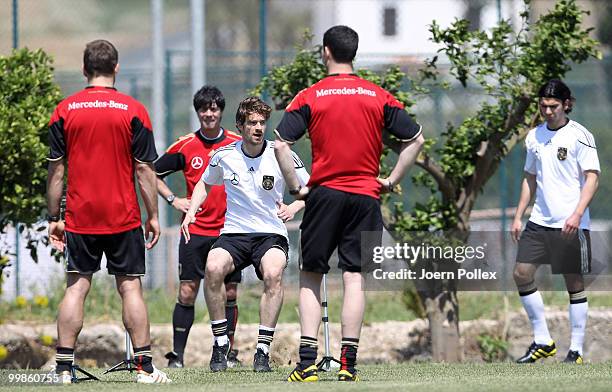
x: 272, y: 277
x: 77, y: 292
x: 127, y: 285
x: 188, y: 292
x: 574, y: 282
x: 351, y: 278
x: 215, y: 271
x: 77, y: 287
x: 187, y: 296
x: 519, y: 277
x: 522, y: 275
x: 231, y: 291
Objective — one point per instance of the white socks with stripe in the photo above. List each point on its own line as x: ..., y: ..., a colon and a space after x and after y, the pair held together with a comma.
x: 578, y: 310
x: 534, y: 306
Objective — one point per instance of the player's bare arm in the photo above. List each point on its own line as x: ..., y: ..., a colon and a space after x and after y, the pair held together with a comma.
x: 147, y: 182
x: 197, y: 198
x: 591, y: 183
x: 180, y: 203
x: 282, y: 151
x: 528, y: 189
x: 408, y: 154
x: 55, y: 184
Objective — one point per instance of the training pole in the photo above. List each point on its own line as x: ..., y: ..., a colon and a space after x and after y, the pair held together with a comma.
x: 325, y: 364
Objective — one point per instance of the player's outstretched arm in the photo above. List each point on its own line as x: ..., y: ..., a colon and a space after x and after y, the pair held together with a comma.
x: 55, y: 185
x: 407, y: 156
x: 147, y: 182
x: 528, y: 189
x: 198, y: 196
x: 282, y: 151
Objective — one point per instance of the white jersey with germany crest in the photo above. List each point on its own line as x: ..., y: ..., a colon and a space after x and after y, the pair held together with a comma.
x: 559, y: 159
x: 254, y: 186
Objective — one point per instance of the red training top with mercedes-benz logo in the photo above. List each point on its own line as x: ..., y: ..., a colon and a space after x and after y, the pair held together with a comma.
x: 101, y: 132
x: 345, y: 116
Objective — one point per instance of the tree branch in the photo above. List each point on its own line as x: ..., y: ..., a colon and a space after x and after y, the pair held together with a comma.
x: 445, y: 186
x: 517, y: 137
x: 488, y: 162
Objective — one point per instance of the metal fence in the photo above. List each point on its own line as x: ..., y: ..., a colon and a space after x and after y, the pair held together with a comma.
x: 239, y: 48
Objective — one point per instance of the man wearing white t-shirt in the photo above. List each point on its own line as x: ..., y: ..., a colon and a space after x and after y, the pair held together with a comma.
x: 254, y: 231
x: 562, y: 170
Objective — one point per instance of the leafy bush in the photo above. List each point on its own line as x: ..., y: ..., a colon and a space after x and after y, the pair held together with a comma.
x: 28, y: 95
x: 493, y: 348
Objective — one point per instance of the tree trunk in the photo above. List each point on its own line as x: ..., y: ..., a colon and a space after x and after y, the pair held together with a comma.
x: 439, y: 298
x: 442, y: 313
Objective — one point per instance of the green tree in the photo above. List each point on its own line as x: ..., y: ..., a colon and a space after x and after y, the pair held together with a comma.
x: 508, y: 66
x: 28, y: 95
x: 604, y: 33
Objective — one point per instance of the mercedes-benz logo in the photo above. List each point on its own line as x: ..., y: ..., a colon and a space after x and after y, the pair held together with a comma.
x: 197, y: 162
x: 234, y: 179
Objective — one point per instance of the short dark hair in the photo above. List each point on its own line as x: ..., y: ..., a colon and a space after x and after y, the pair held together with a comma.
x: 555, y: 88
x: 208, y: 95
x: 342, y: 41
x: 252, y: 105
x: 100, y: 58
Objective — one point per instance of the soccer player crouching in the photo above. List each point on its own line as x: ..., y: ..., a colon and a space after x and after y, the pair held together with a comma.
x: 254, y: 230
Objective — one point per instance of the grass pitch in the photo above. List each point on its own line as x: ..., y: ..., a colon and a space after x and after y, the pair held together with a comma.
x: 555, y: 377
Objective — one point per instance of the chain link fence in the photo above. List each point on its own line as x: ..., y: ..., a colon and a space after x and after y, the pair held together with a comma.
x: 235, y: 62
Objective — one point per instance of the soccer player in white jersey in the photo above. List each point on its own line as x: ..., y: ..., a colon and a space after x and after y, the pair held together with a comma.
x: 254, y: 231
x: 562, y: 171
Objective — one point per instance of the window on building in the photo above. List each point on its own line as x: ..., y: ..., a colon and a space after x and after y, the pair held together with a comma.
x: 389, y: 21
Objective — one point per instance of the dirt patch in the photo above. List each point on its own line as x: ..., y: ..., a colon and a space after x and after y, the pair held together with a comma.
x: 102, y: 345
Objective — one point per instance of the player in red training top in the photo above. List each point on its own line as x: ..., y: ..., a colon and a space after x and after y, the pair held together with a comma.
x: 102, y: 137
x: 345, y: 117
x: 190, y: 154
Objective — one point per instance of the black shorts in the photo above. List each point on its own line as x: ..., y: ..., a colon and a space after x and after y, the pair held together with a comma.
x: 545, y: 245
x: 335, y: 219
x: 247, y: 249
x: 192, y: 259
x: 125, y: 252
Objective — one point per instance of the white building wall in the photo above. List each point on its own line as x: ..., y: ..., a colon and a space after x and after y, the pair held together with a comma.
x: 413, y: 20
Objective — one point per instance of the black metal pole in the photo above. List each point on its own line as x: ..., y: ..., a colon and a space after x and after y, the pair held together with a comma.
x: 15, y: 24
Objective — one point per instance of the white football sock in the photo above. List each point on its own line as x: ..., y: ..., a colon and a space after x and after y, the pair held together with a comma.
x: 578, y: 313
x: 534, y: 306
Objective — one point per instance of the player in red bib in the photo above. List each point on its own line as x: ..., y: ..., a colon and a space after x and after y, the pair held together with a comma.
x: 345, y: 117
x: 102, y: 138
x: 190, y: 155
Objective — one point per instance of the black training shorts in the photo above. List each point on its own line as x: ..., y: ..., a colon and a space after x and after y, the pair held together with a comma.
x: 125, y: 252
x: 247, y: 249
x: 192, y: 259
x: 334, y: 218
x: 545, y: 245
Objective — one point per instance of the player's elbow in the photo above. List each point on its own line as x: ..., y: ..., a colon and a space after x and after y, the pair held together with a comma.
x: 144, y: 169
x: 416, y: 143
x: 281, y: 146
x: 420, y: 141
x: 56, y: 169
x: 594, y: 176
